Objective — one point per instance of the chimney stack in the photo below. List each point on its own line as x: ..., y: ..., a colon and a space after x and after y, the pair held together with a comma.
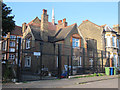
x: 23, y: 27
x: 44, y: 20
x: 59, y: 21
x: 64, y: 22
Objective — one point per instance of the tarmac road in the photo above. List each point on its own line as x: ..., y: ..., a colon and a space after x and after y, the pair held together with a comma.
x: 88, y: 82
x: 111, y: 83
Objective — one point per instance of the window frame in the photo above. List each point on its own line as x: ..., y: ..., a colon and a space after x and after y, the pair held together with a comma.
x: 12, y: 44
x: 76, y: 40
x: 26, y: 61
x: 12, y: 37
x: 11, y: 56
x: 12, y: 49
x: 28, y: 44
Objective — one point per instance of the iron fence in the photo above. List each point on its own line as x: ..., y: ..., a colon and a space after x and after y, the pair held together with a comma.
x: 36, y: 60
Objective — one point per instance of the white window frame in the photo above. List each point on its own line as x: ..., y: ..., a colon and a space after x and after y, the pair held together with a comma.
x: 26, y: 61
x: 115, y: 60
x: 28, y: 44
x: 57, y: 62
x: 4, y: 46
x: 12, y: 49
x: 12, y: 37
x: 113, y: 41
x: 12, y: 44
x: 80, y: 62
x: 75, y: 41
x: 118, y: 43
x: 19, y: 37
x: 11, y: 56
x: 108, y: 41
x: 91, y: 62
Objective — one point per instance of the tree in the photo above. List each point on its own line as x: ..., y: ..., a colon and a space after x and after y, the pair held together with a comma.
x: 8, y: 24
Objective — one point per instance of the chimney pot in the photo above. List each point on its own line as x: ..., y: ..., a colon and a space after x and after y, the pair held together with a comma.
x: 59, y: 21
x: 64, y: 20
x: 44, y: 11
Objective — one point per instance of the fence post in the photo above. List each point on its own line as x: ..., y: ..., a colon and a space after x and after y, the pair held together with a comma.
x: 102, y: 59
x: 18, y: 62
x: 71, y: 60
x: 83, y: 60
x: 59, y: 61
x: 67, y: 66
x: 93, y: 61
x: 41, y: 48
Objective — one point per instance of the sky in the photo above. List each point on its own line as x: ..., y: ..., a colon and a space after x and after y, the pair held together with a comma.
x: 99, y: 13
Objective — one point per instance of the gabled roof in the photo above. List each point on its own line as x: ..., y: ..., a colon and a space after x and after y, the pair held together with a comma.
x: 85, y: 21
x: 17, y: 31
x: 35, y: 22
x: 63, y: 32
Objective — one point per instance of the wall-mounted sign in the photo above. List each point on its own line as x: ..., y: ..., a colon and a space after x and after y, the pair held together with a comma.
x: 37, y: 53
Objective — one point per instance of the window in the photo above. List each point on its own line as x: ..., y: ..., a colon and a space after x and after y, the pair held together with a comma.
x: 80, y: 61
x: 11, y: 56
x: 12, y: 44
x: 108, y: 41
x: 17, y: 39
x: 113, y: 41
x: 17, y: 47
x: 12, y: 37
x: 91, y: 62
x: 57, y: 62
x: 16, y: 60
x: 117, y: 43
x: 27, y: 61
x: 12, y: 50
x: 75, y: 42
x: 115, y: 60
x: 28, y: 44
x: 4, y: 46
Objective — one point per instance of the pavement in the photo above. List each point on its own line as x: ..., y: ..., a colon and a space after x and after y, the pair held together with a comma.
x: 59, y: 83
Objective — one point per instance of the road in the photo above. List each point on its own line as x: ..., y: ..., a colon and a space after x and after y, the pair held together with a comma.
x: 91, y: 82
x: 112, y: 83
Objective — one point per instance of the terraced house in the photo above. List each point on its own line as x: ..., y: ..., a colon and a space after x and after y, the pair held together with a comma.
x: 106, y: 38
x: 10, y: 45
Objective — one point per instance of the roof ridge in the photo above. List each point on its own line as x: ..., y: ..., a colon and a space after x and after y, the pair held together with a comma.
x: 91, y: 22
x: 70, y: 25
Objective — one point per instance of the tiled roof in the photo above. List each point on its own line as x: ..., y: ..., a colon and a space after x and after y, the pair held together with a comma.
x: 62, y: 33
x: 91, y: 22
x: 108, y: 28
x: 36, y: 32
x: 35, y: 22
x: 17, y: 31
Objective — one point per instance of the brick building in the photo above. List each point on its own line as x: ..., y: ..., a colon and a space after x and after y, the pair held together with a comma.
x: 10, y: 45
x: 51, y: 34
x: 107, y: 38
